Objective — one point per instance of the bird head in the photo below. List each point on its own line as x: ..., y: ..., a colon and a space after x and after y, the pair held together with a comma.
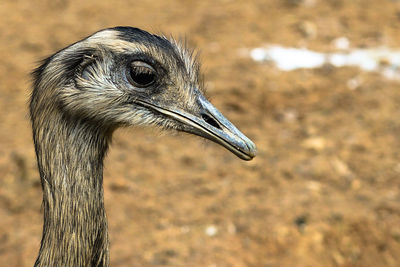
x: 125, y: 76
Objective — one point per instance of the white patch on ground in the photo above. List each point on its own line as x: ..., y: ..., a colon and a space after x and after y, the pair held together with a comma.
x: 382, y: 60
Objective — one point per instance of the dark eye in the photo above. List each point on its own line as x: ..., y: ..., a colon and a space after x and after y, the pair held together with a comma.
x: 141, y: 74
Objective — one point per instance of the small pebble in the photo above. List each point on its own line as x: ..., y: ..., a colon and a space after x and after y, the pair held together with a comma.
x: 353, y: 84
x: 315, y: 143
x: 308, y: 29
x: 211, y: 230
x: 231, y: 229
x: 341, y: 43
x: 341, y: 167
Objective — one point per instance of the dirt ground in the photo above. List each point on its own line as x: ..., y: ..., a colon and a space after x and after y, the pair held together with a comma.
x: 324, y: 189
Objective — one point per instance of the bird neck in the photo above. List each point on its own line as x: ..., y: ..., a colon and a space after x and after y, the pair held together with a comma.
x: 70, y: 156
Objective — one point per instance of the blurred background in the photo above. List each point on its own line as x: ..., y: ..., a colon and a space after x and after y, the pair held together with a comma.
x: 324, y: 189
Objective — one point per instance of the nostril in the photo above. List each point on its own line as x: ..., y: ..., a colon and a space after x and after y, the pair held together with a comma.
x: 210, y: 121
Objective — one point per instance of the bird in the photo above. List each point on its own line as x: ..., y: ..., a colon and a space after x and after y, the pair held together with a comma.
x: 116, y: 77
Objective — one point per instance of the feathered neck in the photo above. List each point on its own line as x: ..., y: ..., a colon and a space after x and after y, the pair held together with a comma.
x: 70, y: 156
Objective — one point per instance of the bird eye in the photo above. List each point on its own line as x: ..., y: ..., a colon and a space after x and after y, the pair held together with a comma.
x: 141, y: 74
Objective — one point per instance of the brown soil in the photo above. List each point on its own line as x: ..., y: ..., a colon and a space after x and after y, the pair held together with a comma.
x: 324, y: 189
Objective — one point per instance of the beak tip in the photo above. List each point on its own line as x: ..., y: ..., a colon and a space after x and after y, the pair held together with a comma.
x: 250, y: 152
x: 252, y: 149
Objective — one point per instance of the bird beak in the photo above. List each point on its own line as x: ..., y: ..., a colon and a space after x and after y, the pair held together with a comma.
x: 211, y: 124
x: 214, y: 126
